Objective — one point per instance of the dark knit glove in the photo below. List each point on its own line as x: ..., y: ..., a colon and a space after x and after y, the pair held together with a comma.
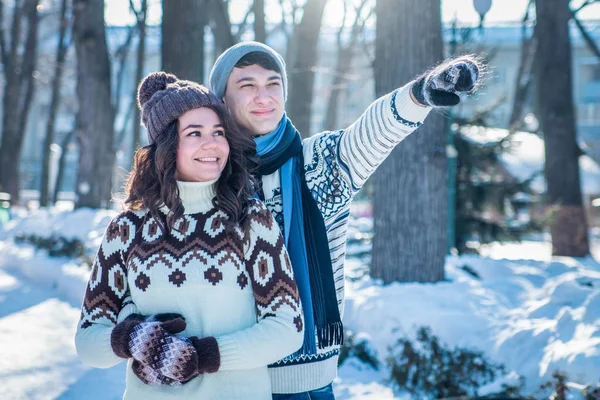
x: 208, y: 355
x: 159, y: 356
x: 440, y: 87
x: 205, y: 359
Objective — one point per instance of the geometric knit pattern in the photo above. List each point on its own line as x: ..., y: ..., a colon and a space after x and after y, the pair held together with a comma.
x: 131, y: 254
x: 236, y: 287
x: 336, y: 166
x: 332, y: 191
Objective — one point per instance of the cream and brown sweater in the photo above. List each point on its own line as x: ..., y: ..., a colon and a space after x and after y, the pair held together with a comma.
x: 236, y: 287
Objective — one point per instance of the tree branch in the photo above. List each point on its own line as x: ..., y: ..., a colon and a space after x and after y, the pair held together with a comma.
x: 10, y: 65
x: 283, y: 24
x: 586, y: 36
x: 134, y: 11
x: 3, y: 53
x: 524, y: 76
x: 343, y: 26
x: 123, y: 131
x: 359, y: 26
x: 121, y: 54
x: 242, y: 25
x: 584, y: 5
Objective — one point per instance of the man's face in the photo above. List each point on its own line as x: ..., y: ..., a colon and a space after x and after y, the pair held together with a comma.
x: 254, y: 96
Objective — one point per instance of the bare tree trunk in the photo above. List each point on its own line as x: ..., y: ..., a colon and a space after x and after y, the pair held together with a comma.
x: 289, y: 29
x: 557, y: 122
x: 183, y: 38
x: 411, y: 193
x: 302, y: 73
x: 121, y: 56
x: 221, y: 25
x: 61, y: 164
x: 61, y: 52
x: 344, y: 61
x: 139, y: 71
x: 260, y: 34
x: 96, y: 113
x: 337, y: 85
x: 524, y: 75
x: 18, y: 93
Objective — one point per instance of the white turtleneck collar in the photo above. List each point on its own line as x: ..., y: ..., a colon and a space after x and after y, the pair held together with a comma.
x: 197, y: 197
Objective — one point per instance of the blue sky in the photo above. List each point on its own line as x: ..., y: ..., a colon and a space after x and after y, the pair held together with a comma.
x: 117, y: 11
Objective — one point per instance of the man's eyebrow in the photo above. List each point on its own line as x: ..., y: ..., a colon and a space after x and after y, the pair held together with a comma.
x: 251, y: 79
x: 246, y: 78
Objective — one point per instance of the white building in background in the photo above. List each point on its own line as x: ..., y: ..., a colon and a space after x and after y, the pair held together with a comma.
x: 358, y: 92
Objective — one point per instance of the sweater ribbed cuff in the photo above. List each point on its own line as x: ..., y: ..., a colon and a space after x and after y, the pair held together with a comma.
x: 209, y: 356
x: 230, y: 356
x: 406, y: 108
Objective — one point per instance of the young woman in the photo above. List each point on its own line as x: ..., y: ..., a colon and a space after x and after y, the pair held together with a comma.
x: 192, y: 284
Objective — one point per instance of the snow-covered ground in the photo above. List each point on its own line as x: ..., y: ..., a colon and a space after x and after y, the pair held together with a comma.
x: 531, y: 312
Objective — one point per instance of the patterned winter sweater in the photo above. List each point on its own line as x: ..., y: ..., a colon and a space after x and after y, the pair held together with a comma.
x: 336, y: 165
x: 238, y: 288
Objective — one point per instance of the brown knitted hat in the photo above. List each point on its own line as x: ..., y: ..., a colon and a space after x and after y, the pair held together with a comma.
x: 162, y: 98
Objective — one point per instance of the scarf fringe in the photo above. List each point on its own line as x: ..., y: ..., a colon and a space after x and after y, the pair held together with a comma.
x: 331, y: 334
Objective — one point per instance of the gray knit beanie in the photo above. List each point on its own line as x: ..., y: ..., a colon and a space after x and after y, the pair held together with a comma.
x: 226, y: 61
x: 162, y: 98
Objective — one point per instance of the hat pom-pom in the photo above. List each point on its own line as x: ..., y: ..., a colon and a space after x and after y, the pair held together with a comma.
x: 152, y: 83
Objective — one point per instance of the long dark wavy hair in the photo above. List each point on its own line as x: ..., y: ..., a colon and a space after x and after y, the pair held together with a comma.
x: 152, y: 183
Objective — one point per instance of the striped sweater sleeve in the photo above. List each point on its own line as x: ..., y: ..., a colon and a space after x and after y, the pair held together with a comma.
x: 338, y: 163
x: 105, y: 296
x: 385, y: 123
x: 279, y: 330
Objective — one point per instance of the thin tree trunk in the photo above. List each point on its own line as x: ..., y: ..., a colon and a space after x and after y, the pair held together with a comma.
x: 557, y: 122
x: 289, y: 32
x: 221, y: 25
x: 139, y: 72
x: 302, y: 73
x: 18, y: 93
x: 121, y: 55
x: 3, y: 50
x: 260, y: 34
x: 410, y: 199
x: 61, y: 165
x: 524, y: 76
x: 343, y: 67
x: 183, y: 38
x: 61, y: 52
x: 337, y: 85
x: 96, y: 113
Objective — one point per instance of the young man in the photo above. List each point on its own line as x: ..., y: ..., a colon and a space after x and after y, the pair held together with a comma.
x: 308, y: 186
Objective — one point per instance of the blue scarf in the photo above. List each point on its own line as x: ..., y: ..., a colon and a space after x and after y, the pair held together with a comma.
x: 305, y: 236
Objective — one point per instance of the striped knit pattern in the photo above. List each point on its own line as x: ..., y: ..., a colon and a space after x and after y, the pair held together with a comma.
x: 236, y: 287
x: 336, y: 165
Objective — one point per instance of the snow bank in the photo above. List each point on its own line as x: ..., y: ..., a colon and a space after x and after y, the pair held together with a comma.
x: 532, y: 313
x: 523, y: 308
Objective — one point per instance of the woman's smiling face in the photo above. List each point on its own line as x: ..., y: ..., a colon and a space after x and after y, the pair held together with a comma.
x: 203, y: 149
